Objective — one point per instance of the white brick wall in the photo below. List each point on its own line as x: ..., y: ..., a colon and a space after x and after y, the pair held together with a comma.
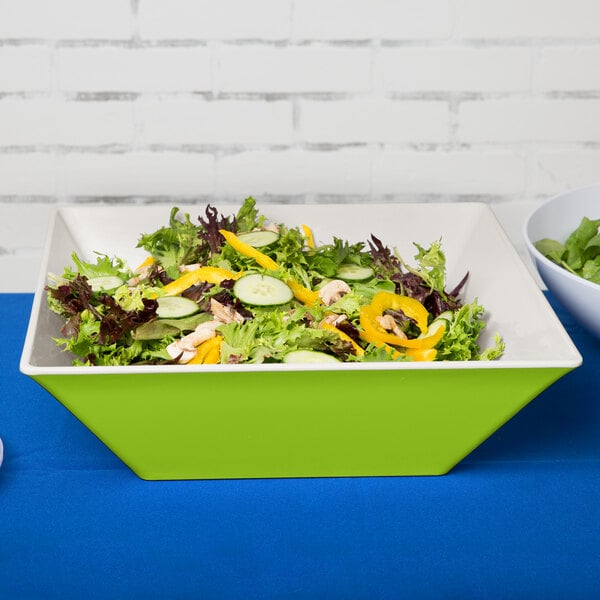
x: 372, y: 19
x: 527, y: 19
x: 210, y: 20
x: 567, y: 69
x: 320, y: 68
x: 310, y: 100
x: 201, y: 121
x: 133, y: 173
x: 371, y: 120
x: 117, y: 69
x: 448, y: 68
x: 25, y: 174
x: 65, y: 19
x: 306, y: 172
x: 529, y: 120
x: 48, y: 121
x: 456, y: 172
x: 25, y: 69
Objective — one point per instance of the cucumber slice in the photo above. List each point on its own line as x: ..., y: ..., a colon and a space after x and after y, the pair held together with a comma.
x: 350, y: 272
x: 175, y: 307
x: 434, y: 326
x: 258, y: 239
x: 105, y: 284
x: 262, y: 290
x: 447, y: 316
x: 308, y: 357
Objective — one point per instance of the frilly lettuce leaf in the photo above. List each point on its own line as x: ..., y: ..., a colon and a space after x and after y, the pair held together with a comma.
x: 432, y: 265
x: 105, y: 267
x: 580, y: 254
x: 460, y: 340
x: 247, y: 217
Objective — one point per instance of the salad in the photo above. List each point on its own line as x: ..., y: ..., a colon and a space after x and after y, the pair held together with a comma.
x: 239, y: 289
x: 580, y: 254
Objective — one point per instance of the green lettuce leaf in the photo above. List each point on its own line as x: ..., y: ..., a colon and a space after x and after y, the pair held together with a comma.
x: 551, y: 249
x: 271, y: 335
x: 460, y: 340
x: 247, y: 217
x: 173, y: 245
x: 161, y: 328
x: 580, y: 254
x: 105, y: 266
x: 432, y: 265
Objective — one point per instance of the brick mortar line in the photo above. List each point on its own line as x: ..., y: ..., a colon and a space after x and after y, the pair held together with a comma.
x: 52, y: 200
x: 138, y: 42
x: 227, y: 149
x: 218, y: 96
x: 518, y: 42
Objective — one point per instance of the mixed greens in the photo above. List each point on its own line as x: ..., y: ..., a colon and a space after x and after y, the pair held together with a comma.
x: 239, y: 289
x: 580, y: 254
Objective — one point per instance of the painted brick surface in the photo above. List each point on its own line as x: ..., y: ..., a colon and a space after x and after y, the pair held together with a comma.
x: 374, y: 121
x: 313, y: 68
x: 25, y: 69
x: 453, y: 172
x: 26, y: 174
x: 343, y: 172
x: 454, y: 68
x: 372, y: 19
x: 18, y: 218
x: 200, y: 121
x: 516, y: 120
x: 567, y: 69
x: 116, y: 69
x: 206, y: 19
x: 294, y: 100
x: 49, y: 121
x: 528, y: 19
x: 65, y: 19
x: 136, y: 173
x: 563, y: 169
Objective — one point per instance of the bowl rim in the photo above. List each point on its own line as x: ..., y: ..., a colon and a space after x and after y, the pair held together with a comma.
x: 538, y: 256
x: 140, y: 370
x: 26, y: 367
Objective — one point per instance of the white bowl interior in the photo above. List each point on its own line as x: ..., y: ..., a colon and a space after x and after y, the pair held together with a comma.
x: 560, y: 215
x: 556, y: 219
x: 472, y: 240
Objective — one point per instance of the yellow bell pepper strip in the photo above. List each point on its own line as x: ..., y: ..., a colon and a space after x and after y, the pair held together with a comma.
x: 373, y: 331
x: 146, y: 263
x: 422, y: 355
x: 308, y: 234
x: 247, y: 250
x: 204, y: 274
x: 409, y: 306
x: 213, y: 355
x: 208, y: 352
x: 301, y: 293
x: 371, y: 339
x: 358, y: 351
x: 426, y: 354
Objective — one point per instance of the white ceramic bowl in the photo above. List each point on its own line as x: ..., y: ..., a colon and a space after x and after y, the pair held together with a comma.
x: 556, y: 218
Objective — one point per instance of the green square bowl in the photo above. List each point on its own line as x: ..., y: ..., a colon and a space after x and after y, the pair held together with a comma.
x: 276, y: 420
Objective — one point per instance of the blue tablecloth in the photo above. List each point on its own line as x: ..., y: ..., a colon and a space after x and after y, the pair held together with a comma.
x: 518, y: 518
